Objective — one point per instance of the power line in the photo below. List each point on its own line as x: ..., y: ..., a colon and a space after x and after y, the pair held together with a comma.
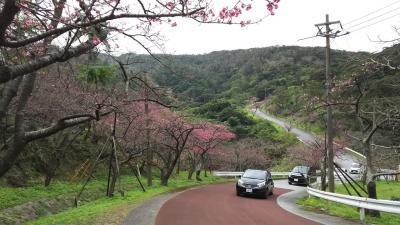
x: 373, y: 18
x: 302, y: 39
x: 373, y: 12
x: 374, y: 23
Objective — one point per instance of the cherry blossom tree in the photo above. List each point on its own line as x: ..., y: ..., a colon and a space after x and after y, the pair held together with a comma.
x: 37, y: 34
x: 204, y: 141
x: 172, y: 139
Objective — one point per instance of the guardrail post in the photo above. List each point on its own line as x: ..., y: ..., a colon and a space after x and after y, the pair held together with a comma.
x: 362, y: 214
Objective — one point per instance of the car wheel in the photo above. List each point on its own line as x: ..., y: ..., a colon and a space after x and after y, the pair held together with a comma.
x: 290, y: 183
x: 265, y: 196
x: 271, y: 192
x: 237, y: 193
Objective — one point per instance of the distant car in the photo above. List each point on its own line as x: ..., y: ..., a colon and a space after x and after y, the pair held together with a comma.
x: 302, y: 175
x: 256, y: 183
x: 355, y: 168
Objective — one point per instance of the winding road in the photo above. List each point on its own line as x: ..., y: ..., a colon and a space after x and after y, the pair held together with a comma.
x: 344, y: 160
x: 219, y: 205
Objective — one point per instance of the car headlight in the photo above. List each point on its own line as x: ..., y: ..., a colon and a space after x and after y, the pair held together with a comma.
x: 262, y: 184
x: 240, y: 183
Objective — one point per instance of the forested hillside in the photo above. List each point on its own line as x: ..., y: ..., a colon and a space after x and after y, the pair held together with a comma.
x: 288, y: 79
x: 240, y: 74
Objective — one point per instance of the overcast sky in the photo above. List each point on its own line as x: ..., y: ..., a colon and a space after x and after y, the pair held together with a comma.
x: 294, y: 19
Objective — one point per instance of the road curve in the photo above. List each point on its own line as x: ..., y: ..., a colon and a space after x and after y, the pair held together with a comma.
x: 344, y: 160
x: 219, y: 205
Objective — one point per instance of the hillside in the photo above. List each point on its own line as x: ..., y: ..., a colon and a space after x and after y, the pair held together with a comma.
x: 240, y: 74
x: 219, y: 84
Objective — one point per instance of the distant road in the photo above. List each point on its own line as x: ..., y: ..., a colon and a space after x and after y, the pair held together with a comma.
x: 344, y: 160
x: 303, y: 136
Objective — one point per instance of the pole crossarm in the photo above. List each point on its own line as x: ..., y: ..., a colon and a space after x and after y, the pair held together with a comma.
x: 328, y: 23
x: 328, y: 33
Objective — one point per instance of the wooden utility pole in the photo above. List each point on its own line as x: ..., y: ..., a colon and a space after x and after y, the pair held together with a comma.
x: 328, y: 34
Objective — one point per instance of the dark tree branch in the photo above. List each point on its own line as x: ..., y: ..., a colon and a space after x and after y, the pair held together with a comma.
x: 9, y: 92
x: 59, y: 31
x: 7, y: 15
x: 61, y: 124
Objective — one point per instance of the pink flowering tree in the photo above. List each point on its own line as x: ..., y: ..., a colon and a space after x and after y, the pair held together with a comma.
x: 35, y: 35
x: 247, y: 153
x: 172, y: 139
x: 168, y: 136
x: 204, y: 143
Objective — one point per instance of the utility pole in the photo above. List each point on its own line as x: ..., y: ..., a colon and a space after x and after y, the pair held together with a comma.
x: 328, y: 34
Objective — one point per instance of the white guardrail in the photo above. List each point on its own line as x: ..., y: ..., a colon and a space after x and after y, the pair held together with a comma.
x: 360, y: 202
x: 236, y: 174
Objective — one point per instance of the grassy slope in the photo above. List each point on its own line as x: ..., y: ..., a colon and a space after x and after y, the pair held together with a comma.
x: 15, y: 196
x: 390, y: 190
x: 282, y: 135
x: 102, y: 209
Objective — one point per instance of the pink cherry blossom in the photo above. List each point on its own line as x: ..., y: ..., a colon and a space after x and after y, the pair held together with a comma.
x: 96, y: 40
x: 170, y: 5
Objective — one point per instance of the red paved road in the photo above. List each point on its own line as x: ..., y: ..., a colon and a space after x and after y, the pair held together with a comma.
x: 219, y: 205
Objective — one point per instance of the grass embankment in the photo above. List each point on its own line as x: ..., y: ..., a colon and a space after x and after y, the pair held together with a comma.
x: 280, y: 134
x: 386, y: 190
x: 102, y: 210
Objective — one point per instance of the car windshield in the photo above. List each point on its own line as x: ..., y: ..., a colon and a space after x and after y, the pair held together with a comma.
x: 300, y: 169
x: 355, y: 165
x: 254, y: 174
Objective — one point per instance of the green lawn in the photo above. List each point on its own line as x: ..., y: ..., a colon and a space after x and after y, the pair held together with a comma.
x: 386, y: 190
x: 94, y: 211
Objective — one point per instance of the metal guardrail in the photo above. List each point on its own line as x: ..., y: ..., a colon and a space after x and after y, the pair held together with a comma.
x: 360, y: 202
x: 226, y: 174
x: 236, y: 174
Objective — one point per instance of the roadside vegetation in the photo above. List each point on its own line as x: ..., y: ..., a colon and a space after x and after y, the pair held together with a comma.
x: 386, y: 190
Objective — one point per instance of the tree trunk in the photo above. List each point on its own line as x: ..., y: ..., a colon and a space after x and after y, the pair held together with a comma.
x: 178, y: 167
x: 149, y: 150
x: 323, y: 175
x: 370, y: 170
x: 164, y: 181
x: 198, y: 168
x: 114, y: 178
x: 10, y: 154
x: 206, y: 165
x: 165, y: 177
x: 192, y: 167
x: 48, y: 180
x: 198, y: 178
x: 190, y: 174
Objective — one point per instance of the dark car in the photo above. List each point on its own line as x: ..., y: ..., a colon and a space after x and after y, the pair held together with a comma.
x: 255, y: 183
x: 302, y: 175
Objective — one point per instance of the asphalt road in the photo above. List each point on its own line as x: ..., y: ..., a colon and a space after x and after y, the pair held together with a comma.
x: 344, y: 160
x: 219, y: 205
